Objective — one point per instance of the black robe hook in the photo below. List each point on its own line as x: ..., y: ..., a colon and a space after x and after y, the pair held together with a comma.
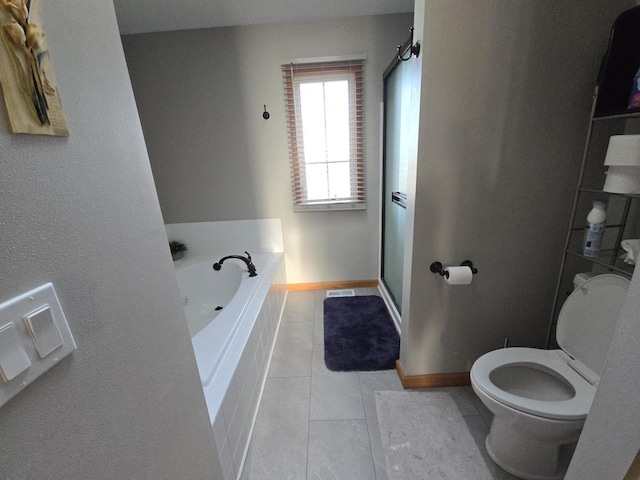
x: 408, y: 47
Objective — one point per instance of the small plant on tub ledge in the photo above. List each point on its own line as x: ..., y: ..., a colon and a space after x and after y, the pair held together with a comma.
x: 177, y: 249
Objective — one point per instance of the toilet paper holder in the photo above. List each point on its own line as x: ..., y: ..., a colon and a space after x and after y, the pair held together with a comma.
x: 436, y: 267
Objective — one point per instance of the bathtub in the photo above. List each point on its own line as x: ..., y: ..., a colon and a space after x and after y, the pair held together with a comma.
x: 213, y: 302
x: 205, y: 292
x: 232, y: 319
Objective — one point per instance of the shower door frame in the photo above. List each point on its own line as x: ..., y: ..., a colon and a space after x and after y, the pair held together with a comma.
x: 385, y: 76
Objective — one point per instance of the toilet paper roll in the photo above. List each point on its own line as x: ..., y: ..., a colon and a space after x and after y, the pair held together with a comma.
x: 623, y: 150
x: 459, y: 275
x: 622, y: 180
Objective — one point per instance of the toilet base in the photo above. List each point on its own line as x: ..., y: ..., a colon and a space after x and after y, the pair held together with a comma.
x: 525, y: 456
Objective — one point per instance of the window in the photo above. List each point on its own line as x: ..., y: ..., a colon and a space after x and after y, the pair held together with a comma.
x: 324, y: 102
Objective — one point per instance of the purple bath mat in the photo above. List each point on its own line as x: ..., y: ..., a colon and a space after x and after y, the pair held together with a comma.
x: 359, y: 334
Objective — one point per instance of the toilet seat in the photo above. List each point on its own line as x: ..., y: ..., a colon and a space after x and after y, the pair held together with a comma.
x: 585, y: 327
x: 554, y: 362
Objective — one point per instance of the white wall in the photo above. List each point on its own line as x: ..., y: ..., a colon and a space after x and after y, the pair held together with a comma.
x: 506, y: 89
x: 82, y: 212
x: 227, y: 238
x: 201, y: 94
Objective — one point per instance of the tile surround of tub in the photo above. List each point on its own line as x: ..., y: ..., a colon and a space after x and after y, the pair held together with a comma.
x: 234, y: 417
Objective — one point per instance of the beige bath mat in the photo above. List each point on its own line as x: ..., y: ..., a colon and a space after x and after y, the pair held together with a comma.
x: 425, y: 438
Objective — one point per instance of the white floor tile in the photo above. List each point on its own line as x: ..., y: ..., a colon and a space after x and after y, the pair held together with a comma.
x: 279, y: 443
x: 339, y: 450
x: 334, y: 395
x: 292, y: 353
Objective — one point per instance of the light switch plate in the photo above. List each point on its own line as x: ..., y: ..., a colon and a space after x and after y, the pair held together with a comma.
x: 43, y: 332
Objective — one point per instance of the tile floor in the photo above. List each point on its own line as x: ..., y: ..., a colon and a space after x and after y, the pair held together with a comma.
x: 314, y: 424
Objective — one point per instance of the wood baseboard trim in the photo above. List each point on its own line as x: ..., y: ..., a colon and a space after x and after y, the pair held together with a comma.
x: 333, y: 285
x: 460, y: 379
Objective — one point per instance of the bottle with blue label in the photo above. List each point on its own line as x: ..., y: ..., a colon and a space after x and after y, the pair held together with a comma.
x: 634, y: 97
x: 596, y: 221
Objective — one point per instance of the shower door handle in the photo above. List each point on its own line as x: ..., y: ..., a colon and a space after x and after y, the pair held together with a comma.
x: 399, y: 199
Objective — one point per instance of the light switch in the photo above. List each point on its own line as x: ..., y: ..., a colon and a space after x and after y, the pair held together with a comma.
x: 43, y: 330
x: 34, y: 337
x: 13, y: 358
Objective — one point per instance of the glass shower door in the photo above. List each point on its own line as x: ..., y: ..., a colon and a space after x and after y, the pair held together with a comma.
x: 397, y: 107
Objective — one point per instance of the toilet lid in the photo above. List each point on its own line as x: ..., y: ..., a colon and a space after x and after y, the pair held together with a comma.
x: 589, y: 317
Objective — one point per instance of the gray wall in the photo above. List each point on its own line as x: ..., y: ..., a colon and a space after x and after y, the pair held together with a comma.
x: 506, y: 88
x: 82, y: 212
x: 200, y: 95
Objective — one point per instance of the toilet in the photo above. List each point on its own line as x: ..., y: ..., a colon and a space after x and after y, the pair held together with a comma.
x: 540, y: 398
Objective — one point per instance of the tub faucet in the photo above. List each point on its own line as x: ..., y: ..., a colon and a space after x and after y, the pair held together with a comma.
x: 252, y: 268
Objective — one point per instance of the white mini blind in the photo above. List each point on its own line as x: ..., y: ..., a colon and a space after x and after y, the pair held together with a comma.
x: 324, y: 106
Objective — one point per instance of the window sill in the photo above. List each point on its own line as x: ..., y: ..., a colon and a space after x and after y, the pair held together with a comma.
x: 329, y: 206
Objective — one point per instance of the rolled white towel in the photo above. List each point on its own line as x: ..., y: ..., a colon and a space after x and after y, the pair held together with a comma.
x: 631, y: 249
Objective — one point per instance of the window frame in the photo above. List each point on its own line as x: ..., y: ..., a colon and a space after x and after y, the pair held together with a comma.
x: 314, y: 70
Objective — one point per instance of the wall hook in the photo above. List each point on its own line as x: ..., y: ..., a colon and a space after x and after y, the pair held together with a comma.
x: 408, y: 47
x: 265, y: 115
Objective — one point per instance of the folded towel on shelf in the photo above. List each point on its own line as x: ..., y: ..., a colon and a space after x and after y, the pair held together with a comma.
x: 631, y: 249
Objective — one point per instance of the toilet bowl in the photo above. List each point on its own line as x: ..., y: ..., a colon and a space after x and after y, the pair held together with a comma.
x: 540, y: 398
